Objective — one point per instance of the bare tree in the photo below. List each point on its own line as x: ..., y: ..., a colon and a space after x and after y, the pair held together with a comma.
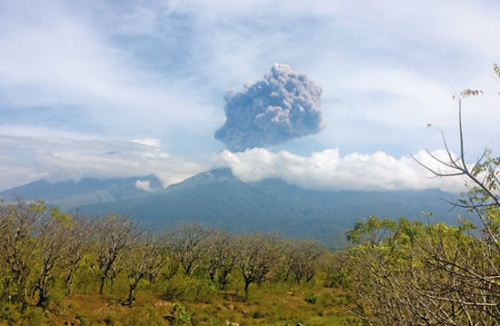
x: 302, y: 258
x: 52, y: 248
x: 144, y: 257
x: 257, y: 256
x: 220, y: 256
x: 187, y: 242
x: 114, y: 233
x: 80, y: 237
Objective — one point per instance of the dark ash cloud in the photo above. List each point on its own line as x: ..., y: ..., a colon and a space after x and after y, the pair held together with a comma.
x: 284, y: 106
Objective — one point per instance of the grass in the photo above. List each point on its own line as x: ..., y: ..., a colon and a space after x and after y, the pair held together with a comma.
x: 275, y: 303
x: 186, y: 300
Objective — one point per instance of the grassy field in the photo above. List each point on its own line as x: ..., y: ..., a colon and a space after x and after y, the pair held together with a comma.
x: 192, y: 301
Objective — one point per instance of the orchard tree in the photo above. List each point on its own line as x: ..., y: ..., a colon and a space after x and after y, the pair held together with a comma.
x: 302, y: 258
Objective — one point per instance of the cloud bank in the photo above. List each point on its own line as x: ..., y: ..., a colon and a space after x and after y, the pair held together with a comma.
x: 59, y: 157
x: 327, y: 170
x: 284, y: 106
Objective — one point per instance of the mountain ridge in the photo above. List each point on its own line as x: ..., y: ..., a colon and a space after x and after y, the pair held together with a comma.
x: 217, y: 198
x: 70, y: 194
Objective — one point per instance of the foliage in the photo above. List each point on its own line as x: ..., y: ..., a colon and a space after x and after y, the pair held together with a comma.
x: 181, y: 316
x: 45, y: 247
x: 407, y: 273
x: 396, y: 272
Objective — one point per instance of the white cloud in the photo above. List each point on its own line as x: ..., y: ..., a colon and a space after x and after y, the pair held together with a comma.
x: 128, y: 70
x: 60, y: 59
x: 143, y: 185
x: 151, y: 142
x: 28, y: 159
x: 327, y: 170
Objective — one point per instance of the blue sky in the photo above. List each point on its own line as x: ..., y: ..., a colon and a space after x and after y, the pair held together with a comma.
x: 128, y: 88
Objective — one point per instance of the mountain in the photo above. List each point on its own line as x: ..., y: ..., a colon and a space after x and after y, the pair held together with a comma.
x: 71, y: 194
x: 219, y: 199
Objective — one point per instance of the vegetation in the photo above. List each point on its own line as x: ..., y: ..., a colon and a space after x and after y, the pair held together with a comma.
x: 57, y: 268
x: 408, y: 273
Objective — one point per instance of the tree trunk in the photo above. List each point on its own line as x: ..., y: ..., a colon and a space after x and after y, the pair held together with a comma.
x: 69, y: 283
x: 101, y: 288
x: 247, y: 283
x: 43, y: 291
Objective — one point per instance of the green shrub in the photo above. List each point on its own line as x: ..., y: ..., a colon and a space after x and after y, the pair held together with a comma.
x: 35, y: 316
x: 181, y: 316
x: 311, y: 298
x: 84, y: 321
x: 10, y: 314
x: 144, y: 317
x: 190, y: 289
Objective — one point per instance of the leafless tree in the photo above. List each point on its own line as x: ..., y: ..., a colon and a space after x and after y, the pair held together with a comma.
x: 187, y: 242
x: 220, y: 256
x: 80, y: 238
x: 52, y: 248
x: 257, y: 256
x: 114, y: 233
x: 302, y: 258
x: 144, y: 257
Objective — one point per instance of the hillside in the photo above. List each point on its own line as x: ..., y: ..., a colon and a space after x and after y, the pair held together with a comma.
x: 71, y: 194
x: 219, y: 199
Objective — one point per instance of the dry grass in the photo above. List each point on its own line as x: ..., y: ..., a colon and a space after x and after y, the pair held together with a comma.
x: 271, y: 304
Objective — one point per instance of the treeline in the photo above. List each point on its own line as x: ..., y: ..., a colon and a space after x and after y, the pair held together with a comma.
x: 43, y: 250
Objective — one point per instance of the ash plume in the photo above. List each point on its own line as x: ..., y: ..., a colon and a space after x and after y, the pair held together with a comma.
x: 284, y: 106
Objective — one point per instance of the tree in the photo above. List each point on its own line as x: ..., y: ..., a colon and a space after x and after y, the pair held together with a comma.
x: 220, y: 256
x: 187, y: 242
x: 475, y: 267
x: 407, y: 273
x: 258, y: 255
x: 302, y: 259
x: 144, y: 257
x: 114, y: 233
x: 52, y: 248
x: 80, y: 238
x: 18, y: 223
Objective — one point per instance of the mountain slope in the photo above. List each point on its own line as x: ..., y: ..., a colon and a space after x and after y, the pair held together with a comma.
x: 70, y: 194
x: 219, y: 199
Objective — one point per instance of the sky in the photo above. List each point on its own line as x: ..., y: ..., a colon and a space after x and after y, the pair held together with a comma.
x: 332, y: 95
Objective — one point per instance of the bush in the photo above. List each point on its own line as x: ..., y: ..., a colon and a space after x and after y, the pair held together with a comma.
x: 311, y: 298
x: 190, y: 289
x: 35, y: 316
x: 84, y: 321
x: 10, y: 314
